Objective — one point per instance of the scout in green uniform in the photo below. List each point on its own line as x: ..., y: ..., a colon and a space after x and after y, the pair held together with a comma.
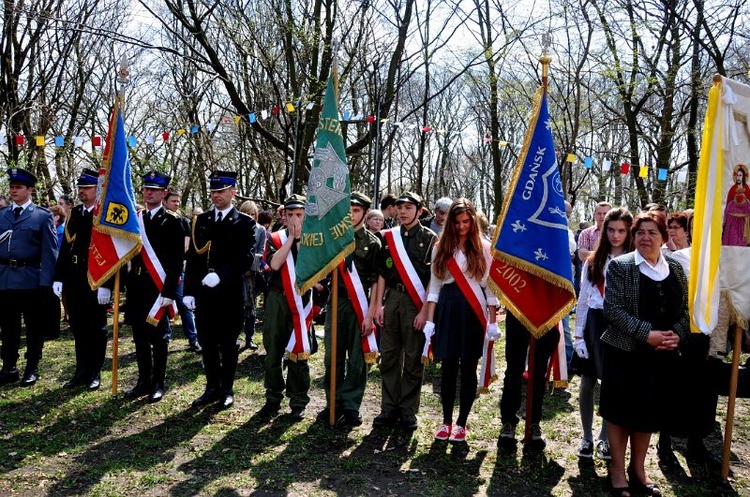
x: 402, y: 342
x: 279, y: 324
x: 351, y: 367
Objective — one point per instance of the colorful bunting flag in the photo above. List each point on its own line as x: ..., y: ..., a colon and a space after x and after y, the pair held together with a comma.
x: 96, y: 141
x: 570, y: 158
x: 662, y: 175
x: 165, y: 136
x: 606, y: 165
x: 588, y: 162
x: 643, y: 172
x: 251, y: 118
x: 290, y: 107
x: 132, y: 141
x: 59, y: 141
x: 39, y: 141
x: 624, y: 168
x: 20, y: 140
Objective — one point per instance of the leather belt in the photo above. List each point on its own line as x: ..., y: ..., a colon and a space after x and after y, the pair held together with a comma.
x: 398, y: 286
x: 78, y: 259
x: 19, y: 262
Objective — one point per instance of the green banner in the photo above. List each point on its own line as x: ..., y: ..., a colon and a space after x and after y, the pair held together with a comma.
x: 327, y: 234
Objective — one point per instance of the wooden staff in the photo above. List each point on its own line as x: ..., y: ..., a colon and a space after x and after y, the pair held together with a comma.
x: 334, y: 333
x: 115, y: 333
x: 732, y: 400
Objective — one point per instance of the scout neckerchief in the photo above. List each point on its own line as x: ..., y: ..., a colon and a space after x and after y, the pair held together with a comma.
x: 472, y: 291
x: 358, y: 297
x: 405, y: 268
x: 158, y: 275
x: 298, y: 347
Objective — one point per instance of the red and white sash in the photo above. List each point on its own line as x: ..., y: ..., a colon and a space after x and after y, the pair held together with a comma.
x: 472, y: 290
x: 298, y: 348
x: 405, y: 268
x: 557, y: 370
x: 361, y: 306
x: 157, y: 273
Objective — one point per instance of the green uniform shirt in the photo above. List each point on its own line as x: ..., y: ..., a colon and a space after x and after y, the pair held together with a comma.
x: 365, y: 258
x: 418, y: 242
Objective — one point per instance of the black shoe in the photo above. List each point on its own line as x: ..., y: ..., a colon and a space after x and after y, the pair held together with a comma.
x: 139, y: 390
x: 8, y: 376
x: 409, y: 422
x: 228, y: 401
x: 697, y: 451
x: 642, y: 488
x: 95, y: 383
x: 75, y: 381
x: 298, y: 413
x: 208, y: 397
x: 268, y: 410
x: 352, y: 417
x: 324, y: 416
x: 384, y: 419
x: 30, y: 376
x: 666, y: 455
x: 156, y: 394
x: 196, y: 347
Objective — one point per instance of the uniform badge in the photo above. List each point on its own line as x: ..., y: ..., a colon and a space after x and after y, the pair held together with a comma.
x: 389, y: 263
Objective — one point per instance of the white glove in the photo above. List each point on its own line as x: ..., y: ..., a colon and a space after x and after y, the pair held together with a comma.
x: 580, y: 347
x: 103, y: 295
x: 165, y: 302
x: 189, y: 302
x: 211, y: 280
x: 428, y: 330
x: 492, y: 332
x: 57, y: 288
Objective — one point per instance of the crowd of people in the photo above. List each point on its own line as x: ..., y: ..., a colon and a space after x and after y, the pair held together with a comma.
x: 417, y: 280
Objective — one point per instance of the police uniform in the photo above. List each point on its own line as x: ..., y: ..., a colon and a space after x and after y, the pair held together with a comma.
x: 351, y: 368
x: 28, y: 248
x: 165, y: 234
x: 401, y: 367
x: 88, y: 318
x: 277, y: 330
x: 223, y: 246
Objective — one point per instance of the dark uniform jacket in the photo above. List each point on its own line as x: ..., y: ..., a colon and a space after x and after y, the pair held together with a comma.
x: 365, y: 258
x: 72, y: 263
x: 224, y: 247
x: 28, y: 248
x: 418, y: 242
x: 167, y: 237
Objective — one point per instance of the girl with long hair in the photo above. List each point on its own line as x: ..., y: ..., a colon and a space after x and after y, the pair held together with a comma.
x: 461, y: 309
x: 590, y: 324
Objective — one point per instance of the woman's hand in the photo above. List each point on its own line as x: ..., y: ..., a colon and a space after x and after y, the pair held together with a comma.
x: 663, y: 340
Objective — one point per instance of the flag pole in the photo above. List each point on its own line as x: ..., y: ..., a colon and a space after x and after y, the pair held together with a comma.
x: 545, y: 59
x: 737, y: 348
x: 334, y: 340
x: 115, y: 333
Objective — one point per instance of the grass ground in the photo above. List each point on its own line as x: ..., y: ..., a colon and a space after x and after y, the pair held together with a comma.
x: 60, y: 442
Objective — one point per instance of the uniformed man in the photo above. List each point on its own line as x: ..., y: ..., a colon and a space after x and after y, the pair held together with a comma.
x: 28, y: 248
x: 404, y: 266
x: 279, y: 321
x: 220, y: 252
x: 87, y: 308
x: 356, y: 307
x: 152, y: 286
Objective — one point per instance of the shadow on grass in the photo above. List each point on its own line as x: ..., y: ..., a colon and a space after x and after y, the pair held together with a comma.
x: 140, y: 451
x: 534, y: 475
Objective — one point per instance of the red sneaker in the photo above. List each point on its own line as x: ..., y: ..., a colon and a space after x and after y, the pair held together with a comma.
x: 443, y: 432
x: 458, y: 434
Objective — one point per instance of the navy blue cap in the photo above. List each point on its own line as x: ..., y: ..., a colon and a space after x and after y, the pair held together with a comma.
x: 155, y: 179
x: 20, y: 175
x: 220, y: 180
x: 88, y: 177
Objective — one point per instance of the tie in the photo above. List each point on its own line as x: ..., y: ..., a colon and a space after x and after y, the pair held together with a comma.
x: 218, y: 217
x: 148, y: 215
x: 17, y: 211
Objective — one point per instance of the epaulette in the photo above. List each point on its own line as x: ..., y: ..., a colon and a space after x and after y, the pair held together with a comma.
x: 174, y: 214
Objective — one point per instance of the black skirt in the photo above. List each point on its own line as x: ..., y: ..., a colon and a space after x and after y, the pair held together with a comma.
x: 458, y: 332
x: 596, y: 324
x: 635, y: 387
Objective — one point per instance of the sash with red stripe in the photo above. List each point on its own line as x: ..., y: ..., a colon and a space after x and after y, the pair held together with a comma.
x: 361, y: 306
x: 558, y: 364
x: 158, y: 275
x: 472, y: 290
x: 298, y: 348
x: 405, y: 268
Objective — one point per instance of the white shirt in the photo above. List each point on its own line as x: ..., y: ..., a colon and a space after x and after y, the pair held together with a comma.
x: 223, y: 213
x: 657, y: 272
x: 589, y: 297
x: 433, y: 292
x: 23, y: 207
x: 154, y: 211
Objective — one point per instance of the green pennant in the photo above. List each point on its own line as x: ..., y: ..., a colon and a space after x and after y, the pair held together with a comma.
x: 327, y: 234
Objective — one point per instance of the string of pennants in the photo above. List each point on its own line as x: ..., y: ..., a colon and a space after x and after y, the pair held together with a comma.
x: 253, y: 117
x: 606, y: 165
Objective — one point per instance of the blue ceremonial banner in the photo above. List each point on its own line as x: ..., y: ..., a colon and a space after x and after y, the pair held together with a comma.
x: 116, y: 236
x: 532, y: 271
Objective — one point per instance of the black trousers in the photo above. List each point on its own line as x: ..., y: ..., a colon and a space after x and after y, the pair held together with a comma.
x: 31, y: 305
x: 151, y: 347
x: 517, y: 339
x: 88, y: 320
x: 450, y: 369
x: 219, y: 325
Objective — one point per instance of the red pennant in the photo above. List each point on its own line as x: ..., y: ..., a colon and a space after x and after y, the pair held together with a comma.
x: 427, y: 129
x: 165, y: 136
x: 370, y: 119
x: 624, y: 168
x: 275, y: 111
x: 20, y: 140
x: 96, y: 141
